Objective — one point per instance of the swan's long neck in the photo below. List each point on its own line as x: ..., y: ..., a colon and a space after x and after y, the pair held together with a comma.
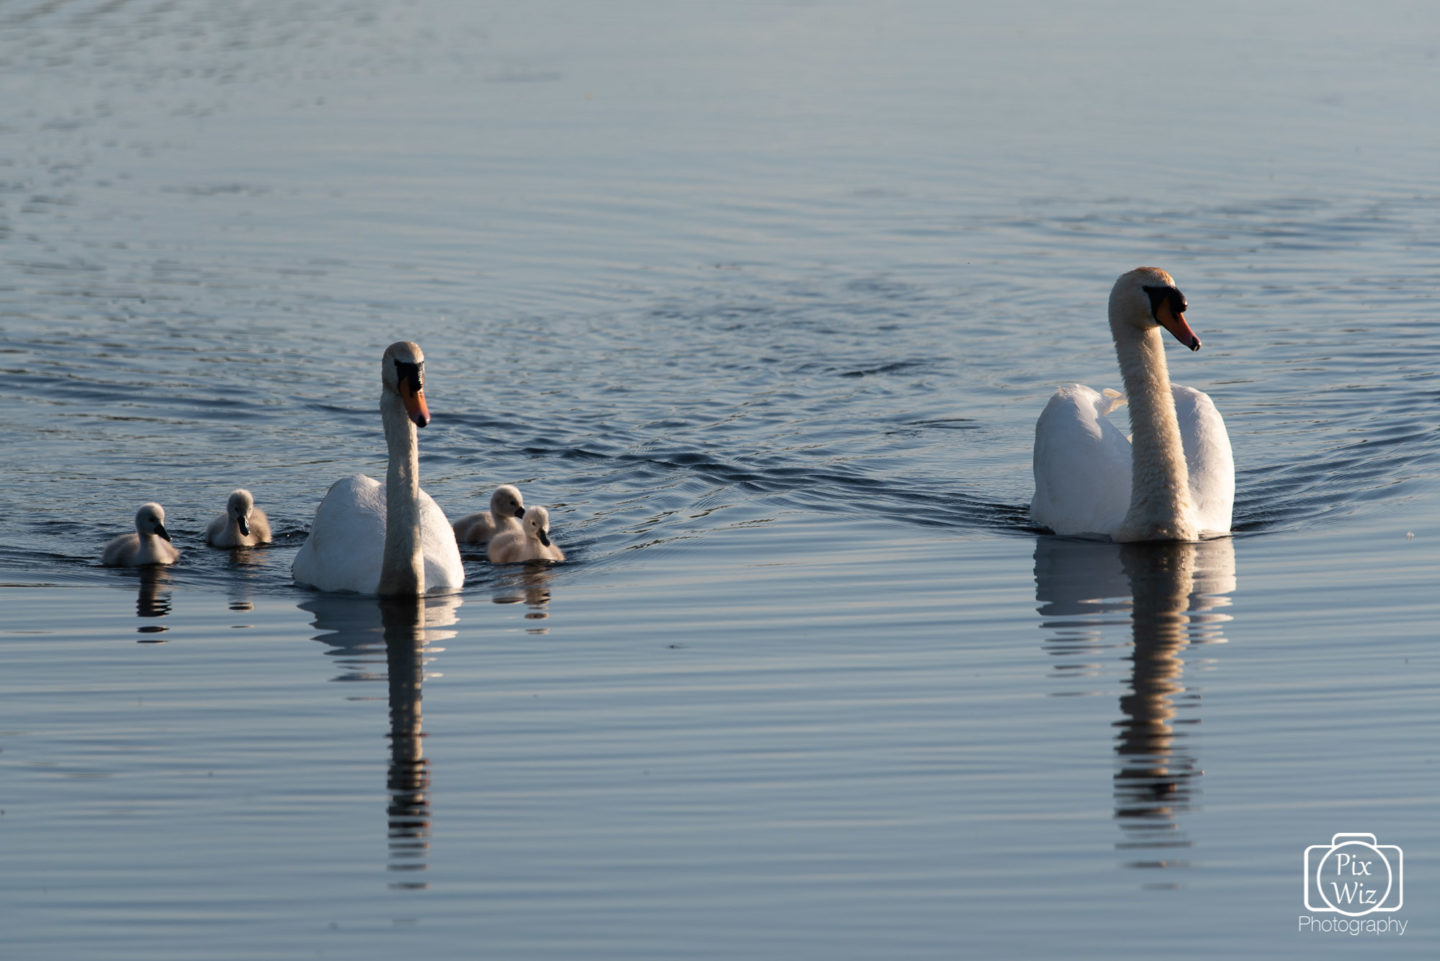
x: 402, y: 570
x: 1160, y: 506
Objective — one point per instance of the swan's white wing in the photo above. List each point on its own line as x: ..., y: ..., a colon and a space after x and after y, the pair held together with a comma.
x: 1082, y: 465
x: 443, y: 569
x: 1208, y: 458
x: 347, y: 539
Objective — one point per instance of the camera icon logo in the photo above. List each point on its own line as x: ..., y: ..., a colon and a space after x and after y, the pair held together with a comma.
x: 1354, y: 876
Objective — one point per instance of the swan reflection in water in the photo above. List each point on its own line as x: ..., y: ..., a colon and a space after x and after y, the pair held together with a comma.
x: 527, y: 584
x: 244, y: 568
x: 1171, y: 597
x: 360, y: 631
x: 152, y: 602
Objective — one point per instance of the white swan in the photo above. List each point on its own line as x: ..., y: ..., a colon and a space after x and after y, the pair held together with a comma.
x: 528, y: 541
x: 242, y: 525
x: 391, y: 538
x: 1176, y: 480
x: 150, y: 544
x: 506, y: 507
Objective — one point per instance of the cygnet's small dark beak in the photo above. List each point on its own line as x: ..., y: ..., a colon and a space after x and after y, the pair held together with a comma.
x: 519, y: 512
x: 244, y: 526
x: 545, y: 538
x: 160, y: 531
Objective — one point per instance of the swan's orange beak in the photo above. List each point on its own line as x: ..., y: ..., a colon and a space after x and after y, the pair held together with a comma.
x: 415, y: 406
x: 1175, y: 323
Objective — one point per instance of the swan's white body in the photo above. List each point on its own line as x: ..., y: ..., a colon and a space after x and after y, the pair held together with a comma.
x: 1174, y: 480
x: 389, y: 539
x: 242, y: 525
x: 506, y: 509
x: 346, y: 547
x: 528, y: 541
x: 149, y: 544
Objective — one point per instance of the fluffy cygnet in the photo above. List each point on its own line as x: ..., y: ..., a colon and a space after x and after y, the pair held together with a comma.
x: 506, y: 508
x: 150, y: 544
x: 242, y: 525
x: 529, y: 541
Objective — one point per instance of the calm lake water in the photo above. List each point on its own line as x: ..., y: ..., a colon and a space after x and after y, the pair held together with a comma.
x: 762, y: 301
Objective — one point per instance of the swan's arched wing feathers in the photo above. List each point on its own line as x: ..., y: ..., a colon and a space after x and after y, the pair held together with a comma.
x: 1208, y: 459
x: 444, y: 570
x: 347, y: 538
x: 1082, y: 465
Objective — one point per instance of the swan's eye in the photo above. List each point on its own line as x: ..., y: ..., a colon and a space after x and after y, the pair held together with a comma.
x: 412, y: 374
x: 1166, y: 295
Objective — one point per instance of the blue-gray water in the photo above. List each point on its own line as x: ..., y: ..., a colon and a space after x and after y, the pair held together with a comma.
x: 762, y: 300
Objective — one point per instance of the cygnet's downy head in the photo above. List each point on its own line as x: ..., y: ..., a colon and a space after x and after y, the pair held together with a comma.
x: 402, y: 371
x: 537, y: 524
x: 239, y: 506
x: 1146, y: 297
x: 506, y: 502
x: 150, y: 519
